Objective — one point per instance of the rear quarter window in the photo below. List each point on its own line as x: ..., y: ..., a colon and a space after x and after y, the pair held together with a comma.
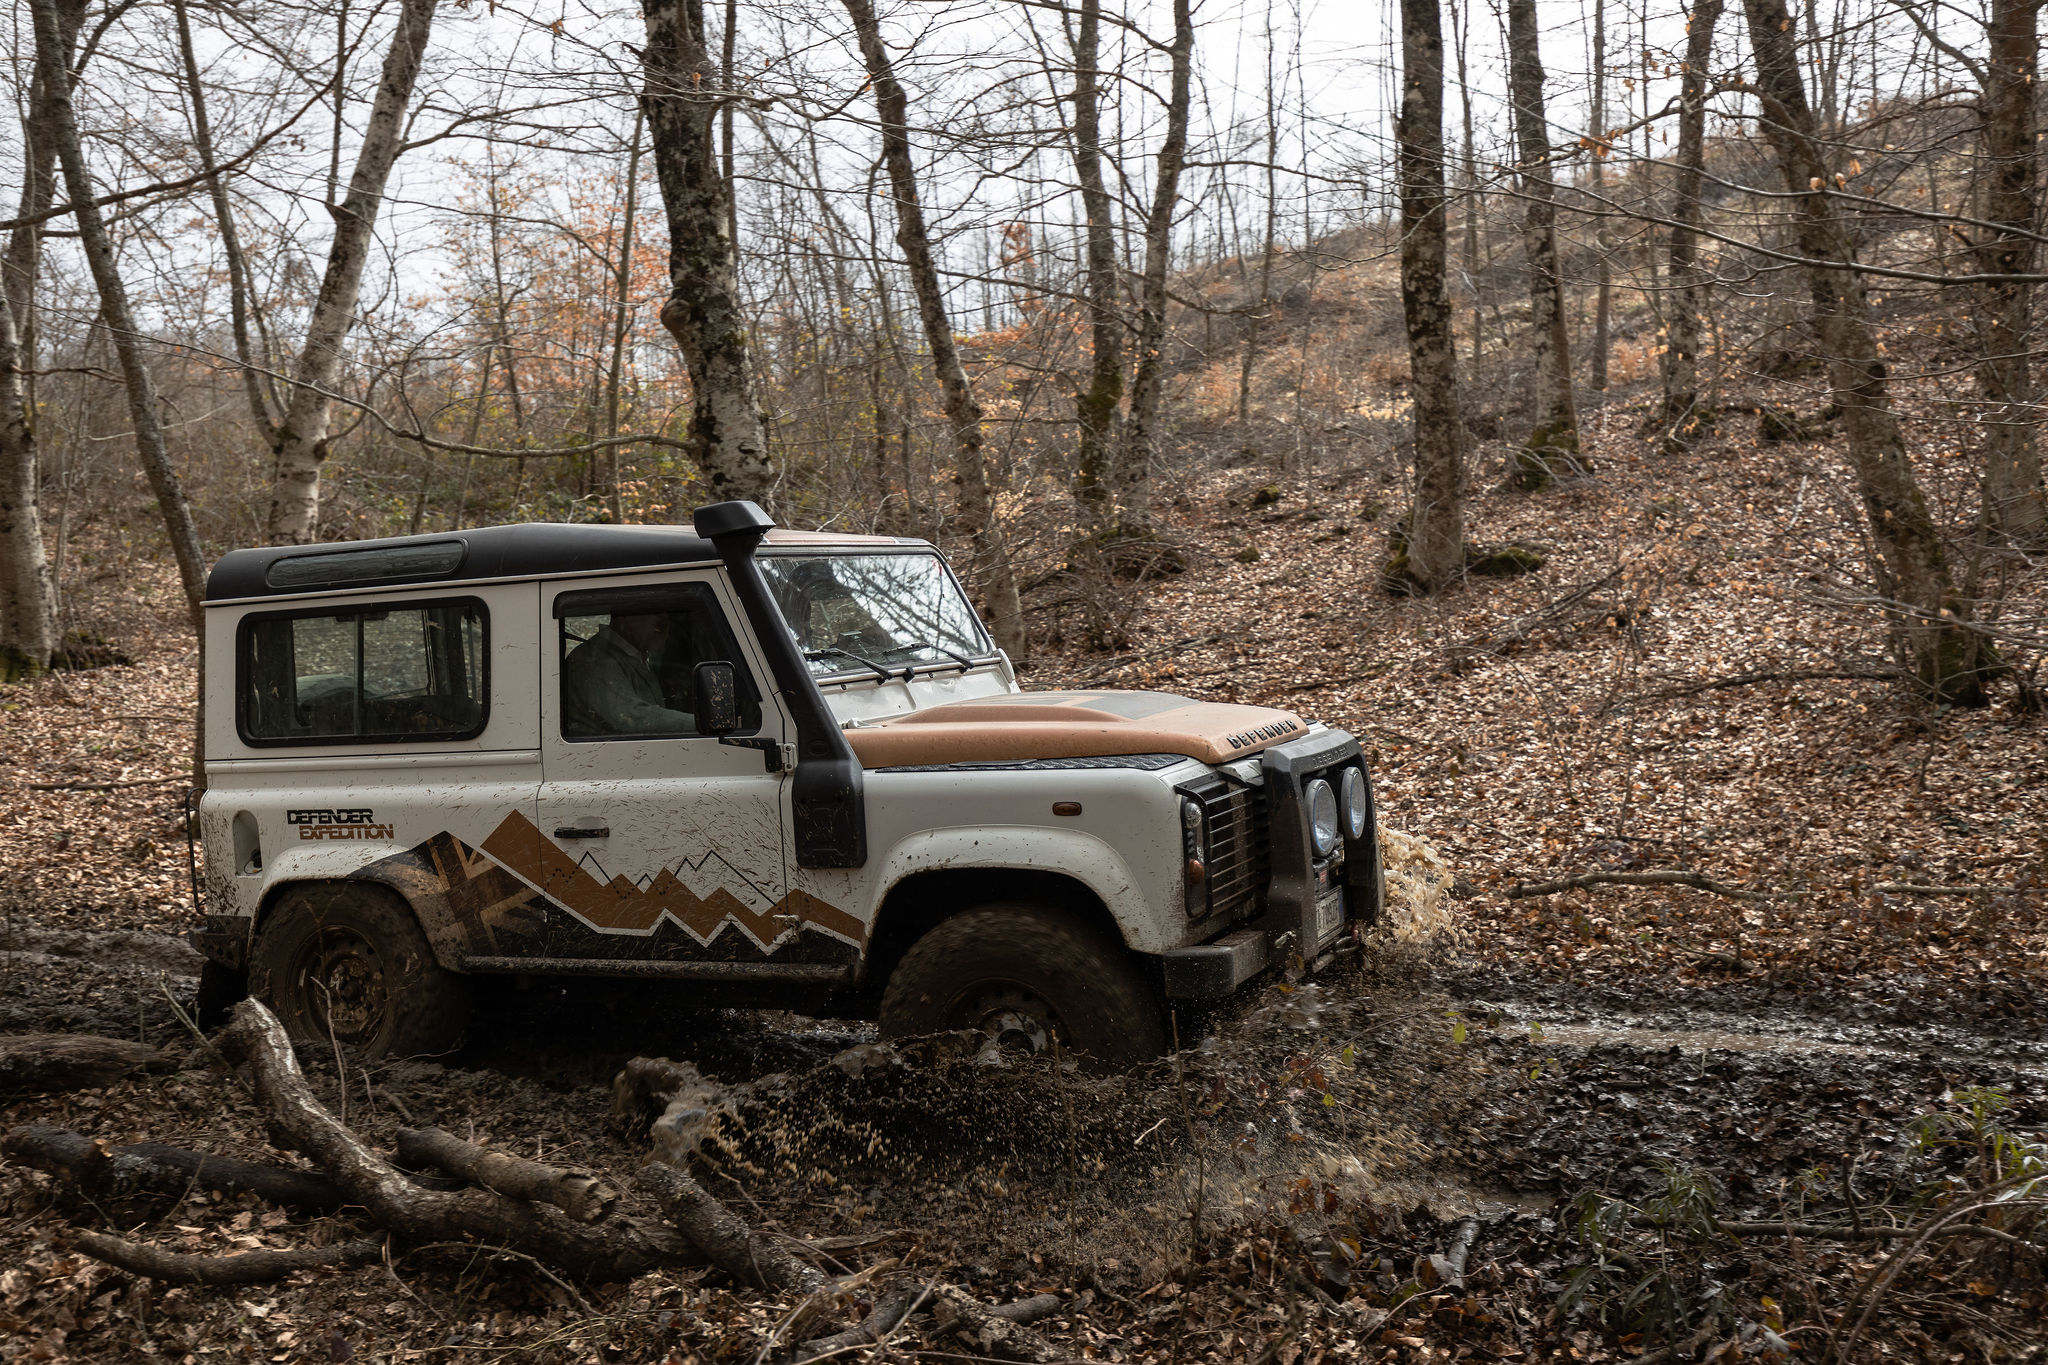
x: 408, y: 672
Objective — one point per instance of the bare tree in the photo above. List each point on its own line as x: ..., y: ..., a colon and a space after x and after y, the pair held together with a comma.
x: 2013, y: 501
x: 299, y: 439
x: 1603, y: 286
x: 1099, y: 404
x: 1148, y: 372
x: 1436, y: 523
x: 684, y: 93
x: 963, y: 411
x: 1952, y: 662
x: 1681, y: 415
x: 28, y: 594
x: 114, y: 307
x: 1554, y: 444
x: 28, y: 616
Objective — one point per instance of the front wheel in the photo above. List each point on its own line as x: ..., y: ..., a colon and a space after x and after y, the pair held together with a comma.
x: 1026, y: 974
x: 347, y: 963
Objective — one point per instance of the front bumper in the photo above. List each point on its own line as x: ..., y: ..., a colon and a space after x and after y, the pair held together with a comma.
x: 1303, y: 891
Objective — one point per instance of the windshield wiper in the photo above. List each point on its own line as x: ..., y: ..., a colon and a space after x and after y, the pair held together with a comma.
x: 955, y: 655
x: 833, y: 651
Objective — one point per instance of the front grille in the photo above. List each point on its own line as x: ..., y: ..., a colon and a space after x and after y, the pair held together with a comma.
x: 1238, y: 855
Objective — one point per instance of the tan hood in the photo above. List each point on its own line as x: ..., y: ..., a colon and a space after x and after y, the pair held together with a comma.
x: 1072, y: 725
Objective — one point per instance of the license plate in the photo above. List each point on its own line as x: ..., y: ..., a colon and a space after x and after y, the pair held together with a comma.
x: 1329, y: 914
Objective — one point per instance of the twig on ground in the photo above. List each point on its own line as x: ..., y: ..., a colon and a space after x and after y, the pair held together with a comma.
x: 1663, y: 877
x: 1771, y: 675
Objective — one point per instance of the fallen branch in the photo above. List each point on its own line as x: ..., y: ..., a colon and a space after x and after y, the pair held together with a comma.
x: 725, y: 1240
x: 97, y: 786
x: 622, y: 1249
x: 992, y: 1330
x: 891, y: 1311
x: 1914, y: 889
x: 577, y: 1193
x: 1449, y: 1268
x: 1769, y: 676
x: 252, y: 1267
x: 1671, y: 877
x: 107, y: 1173
x: 42, y: 1063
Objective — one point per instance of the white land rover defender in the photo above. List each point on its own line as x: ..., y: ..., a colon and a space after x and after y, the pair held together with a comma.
x: 776, y: 765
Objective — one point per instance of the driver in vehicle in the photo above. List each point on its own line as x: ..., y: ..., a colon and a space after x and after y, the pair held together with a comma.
x: 609, y: 685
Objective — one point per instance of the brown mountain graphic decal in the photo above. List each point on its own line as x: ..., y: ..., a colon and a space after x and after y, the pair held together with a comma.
x: 619, y: 904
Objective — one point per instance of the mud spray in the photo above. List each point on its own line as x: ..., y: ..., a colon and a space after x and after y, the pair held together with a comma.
x: 1351, y: 1087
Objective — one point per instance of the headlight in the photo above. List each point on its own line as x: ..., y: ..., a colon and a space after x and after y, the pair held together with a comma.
x: 1322, y: 817
x: 1357, y: 804
x: 1191, y: 827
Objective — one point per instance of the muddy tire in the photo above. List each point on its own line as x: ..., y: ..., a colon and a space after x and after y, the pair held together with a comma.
x: 348, y: 962
x: 1026, y: 974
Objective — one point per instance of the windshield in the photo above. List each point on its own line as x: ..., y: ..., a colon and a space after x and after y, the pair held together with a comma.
x: 873, y: 612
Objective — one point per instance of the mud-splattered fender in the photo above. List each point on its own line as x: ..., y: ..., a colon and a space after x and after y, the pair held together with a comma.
x: 1090, y: 860
x: 393, y: 865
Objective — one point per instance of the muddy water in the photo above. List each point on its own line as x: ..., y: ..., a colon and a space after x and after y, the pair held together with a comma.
x: 1791, y: 1035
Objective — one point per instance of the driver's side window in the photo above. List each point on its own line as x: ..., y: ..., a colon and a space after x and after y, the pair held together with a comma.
x: 629, y: 661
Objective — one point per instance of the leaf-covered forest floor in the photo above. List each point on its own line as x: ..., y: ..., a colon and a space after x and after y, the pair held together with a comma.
x: 1622, y: 1082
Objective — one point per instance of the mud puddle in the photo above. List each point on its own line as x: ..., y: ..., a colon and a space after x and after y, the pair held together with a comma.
x: 1790, y: 1034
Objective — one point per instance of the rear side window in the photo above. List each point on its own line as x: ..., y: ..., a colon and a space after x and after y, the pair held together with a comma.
x: 412, y: 671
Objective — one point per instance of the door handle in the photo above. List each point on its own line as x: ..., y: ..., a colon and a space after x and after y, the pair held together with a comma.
x: 584, y: 832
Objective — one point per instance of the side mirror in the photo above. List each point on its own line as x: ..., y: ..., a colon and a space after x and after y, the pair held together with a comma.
x: 718, y: 698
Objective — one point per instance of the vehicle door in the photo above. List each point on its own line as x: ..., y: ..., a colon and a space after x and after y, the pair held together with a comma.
x: 656, y: 843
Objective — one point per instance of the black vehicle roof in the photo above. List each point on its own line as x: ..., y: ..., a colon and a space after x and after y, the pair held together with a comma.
x: 529, y: 550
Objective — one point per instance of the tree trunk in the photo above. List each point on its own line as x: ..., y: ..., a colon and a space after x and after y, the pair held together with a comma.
x: 28, y: 590
x: 254, y: 388
x: 1604, y: 287
x: 1097, y: 405
x: 1148, y: 375
x: 963, y: 412
x: 28, y: 604
x: 41, y: 1063
x: 113, y: 294
x: 1951, y: 662
x: 2013, y: 499
x: 1436, y: 527
x: 683, y: 95
x: 1681, y: 416
x: 621, y: 315
x: 1553, y: 446
x: 301, y: 439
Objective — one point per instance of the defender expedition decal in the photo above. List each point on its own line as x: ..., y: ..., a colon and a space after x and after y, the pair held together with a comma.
x: 339, y: 824
x: 620, y: 906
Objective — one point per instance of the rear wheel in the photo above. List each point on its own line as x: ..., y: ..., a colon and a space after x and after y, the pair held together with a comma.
x: 1026, y: 974
x: 348, y: 962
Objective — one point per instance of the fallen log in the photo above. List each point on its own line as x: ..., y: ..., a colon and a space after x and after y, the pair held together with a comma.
x: 728, y: 1242
x: 620, y: 1250
x: 105, y: 1173
x: 44, y: 1063
x: 579, y: 1194
x: 250, y: 1267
